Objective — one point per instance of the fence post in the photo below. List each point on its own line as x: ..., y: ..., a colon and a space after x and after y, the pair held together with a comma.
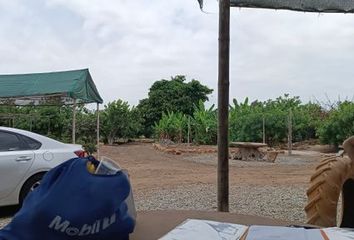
x: 30, y: 123
x: 74, y: 123
x: 290, y: 132
x: 98, y: 130
x: 189, y: 129
x: 48, y: 118
x: 264, y: 136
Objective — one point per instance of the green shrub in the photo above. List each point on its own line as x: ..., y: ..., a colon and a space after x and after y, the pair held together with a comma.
x: 338, y: 126
x: 204, y: 124
x: 246, y: 120
x: 172, y: 126
x: 90, y: 148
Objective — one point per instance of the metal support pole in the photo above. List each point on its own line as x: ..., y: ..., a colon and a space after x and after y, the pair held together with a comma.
x: 74, y: 123
x: 98, y: 130
x: 223, y: 106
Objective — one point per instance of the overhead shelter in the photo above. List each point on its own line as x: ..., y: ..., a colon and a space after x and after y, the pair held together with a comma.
x: 52, y: 88
x: 320, y: 6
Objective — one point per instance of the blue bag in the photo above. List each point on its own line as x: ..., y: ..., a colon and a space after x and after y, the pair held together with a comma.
x: 72, y: 203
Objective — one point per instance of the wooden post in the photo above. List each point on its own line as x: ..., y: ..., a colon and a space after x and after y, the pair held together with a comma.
x: 30, y: 123
x: 290, y: 132
x: 74, y: 123
x: 48, y: 132
x: 98, y: 131
x: 189, y: 129
x: 223, y: 106
x: 264, y: 136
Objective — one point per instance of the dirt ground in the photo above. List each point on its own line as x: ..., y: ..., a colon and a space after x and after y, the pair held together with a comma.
x: 152, y: 169
x: 188, y: 181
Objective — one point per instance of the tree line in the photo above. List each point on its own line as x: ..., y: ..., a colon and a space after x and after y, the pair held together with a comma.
x: 176, y: 110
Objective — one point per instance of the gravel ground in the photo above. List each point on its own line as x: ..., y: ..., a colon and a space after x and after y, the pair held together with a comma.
x: 286, y: 203
x: 298, y: 158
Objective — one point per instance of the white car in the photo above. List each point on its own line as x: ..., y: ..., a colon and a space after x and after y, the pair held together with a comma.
x: 24, y: 158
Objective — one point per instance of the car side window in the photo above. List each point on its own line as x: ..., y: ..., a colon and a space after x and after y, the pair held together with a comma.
x: 9, y: 142
x: 30, y: 143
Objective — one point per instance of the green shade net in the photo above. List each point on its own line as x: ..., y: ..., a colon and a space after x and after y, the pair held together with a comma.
x: 53, y: 88
x: 326, y: 6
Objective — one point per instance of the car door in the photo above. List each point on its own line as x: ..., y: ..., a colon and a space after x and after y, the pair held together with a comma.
x: 15, y: 161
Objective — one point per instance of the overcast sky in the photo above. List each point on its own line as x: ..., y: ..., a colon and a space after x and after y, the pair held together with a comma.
x: 127, y: 45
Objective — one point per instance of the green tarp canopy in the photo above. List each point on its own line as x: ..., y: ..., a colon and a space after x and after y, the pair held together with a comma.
x: 53, y: 88
x: 325, y: 6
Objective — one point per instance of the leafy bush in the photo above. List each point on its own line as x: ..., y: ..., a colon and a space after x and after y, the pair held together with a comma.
x: 339, y: 125
x: 171, y: 126
x: 176, y: 104
x: 175, y: 95
x: 204, y: 124
x: 52, y: 121
x: 90, y: 148
x: 119, y: 121
x: 246, y: 120
x: 306, y: 119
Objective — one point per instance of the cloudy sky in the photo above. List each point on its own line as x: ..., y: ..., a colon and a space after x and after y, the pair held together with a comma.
x: 127, y: 45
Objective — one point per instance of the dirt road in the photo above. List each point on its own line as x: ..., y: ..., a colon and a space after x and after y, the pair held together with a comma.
x: 151, y: 169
